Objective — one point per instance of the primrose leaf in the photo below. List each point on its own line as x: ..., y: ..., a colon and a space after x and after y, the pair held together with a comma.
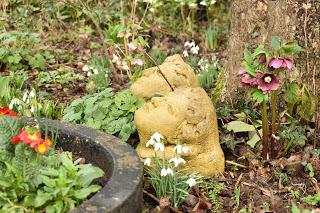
x: 85, y: 192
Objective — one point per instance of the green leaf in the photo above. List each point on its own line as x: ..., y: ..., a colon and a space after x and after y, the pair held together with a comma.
x: 41, y: 198
x: 247, y: 56
x: 258, y: 96
x: 275, y: 42
x: 252, y: 142
x: 291, y: 48
x: 239, y: 126
x: 292, y: 92
x: 88, y: 173
x: 14, y: 59
x: 85, y: 192
x: 38, y: 61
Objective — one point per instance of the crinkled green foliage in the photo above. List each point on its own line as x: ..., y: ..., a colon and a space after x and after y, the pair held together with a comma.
x: 112, y: 113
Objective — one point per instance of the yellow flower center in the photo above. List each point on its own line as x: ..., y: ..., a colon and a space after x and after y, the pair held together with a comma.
x: 41, y: 148
x: 268, y: 79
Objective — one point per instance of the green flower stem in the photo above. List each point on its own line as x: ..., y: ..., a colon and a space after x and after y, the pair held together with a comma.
x: 274, y: 97
x: 265, y: 130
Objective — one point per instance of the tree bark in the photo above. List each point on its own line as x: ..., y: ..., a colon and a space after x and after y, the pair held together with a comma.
x: 254, y: 22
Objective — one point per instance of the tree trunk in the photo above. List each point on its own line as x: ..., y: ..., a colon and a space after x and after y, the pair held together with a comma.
x: 256, y: 21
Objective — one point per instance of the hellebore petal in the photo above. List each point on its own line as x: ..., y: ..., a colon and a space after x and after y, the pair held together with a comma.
x: 242, y: 71
x: 288, y: 63
x: 275, y: 63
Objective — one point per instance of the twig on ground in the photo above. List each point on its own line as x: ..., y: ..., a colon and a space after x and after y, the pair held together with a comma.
x: 236, y: 164
x: 238, y: 182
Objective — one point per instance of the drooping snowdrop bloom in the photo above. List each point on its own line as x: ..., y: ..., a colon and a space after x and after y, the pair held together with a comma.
x: 177, y: 161
x: 147, y: 162
x: 186, y: 149
x: 178, y: 149
x: 25, y: 96
x: 32, y: 109
x: 185, y: 53
x: 150, y: 142
x: 195, y: 50
x: 157, y: 137
x: 158, y: 146
x: 191, y: 182
x: 165, y: 172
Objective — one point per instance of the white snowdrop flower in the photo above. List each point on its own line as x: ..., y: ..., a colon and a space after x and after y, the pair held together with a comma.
x: 147, y: 162
x: 178, y: 149
x: 11, y: 105
x: 169, y: 171
x: 32, y: 109
x: 25, y: 95
x: 192, y: 44
x: 203, y: 3
x: 191, y: 182
x: 185, y: 53
x: 187, y: 44
x: 157, y: 137
x: 213, y: 2
x: 158, y: 146
x: 85, y: 68
x: 95, y: 71
x: 195, y: 50
x: 186, y: 149
x: 150, y: 142
x: 89, y: 74
x: 163, y: 172
x: 32, y: 94
x: 177, y: 161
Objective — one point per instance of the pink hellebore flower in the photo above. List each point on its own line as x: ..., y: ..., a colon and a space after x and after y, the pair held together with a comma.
x: 267, y: 82
x: 280, y: 62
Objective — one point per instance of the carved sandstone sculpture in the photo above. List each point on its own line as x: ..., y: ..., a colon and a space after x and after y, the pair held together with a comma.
x: 183, y: 116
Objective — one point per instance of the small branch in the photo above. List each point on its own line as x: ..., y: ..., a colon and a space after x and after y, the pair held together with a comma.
x: 165, y: 78
x: 236, y: 164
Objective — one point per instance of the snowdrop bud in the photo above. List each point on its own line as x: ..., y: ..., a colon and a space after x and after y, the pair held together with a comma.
x: 31, y: 94
x: 25, y: 95
x: 191, y: 182
x: 32, y: 109
x: 11, y: 105
x: 147, y: 162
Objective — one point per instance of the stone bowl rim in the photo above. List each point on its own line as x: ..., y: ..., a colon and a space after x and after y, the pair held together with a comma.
x: 103, y: 200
